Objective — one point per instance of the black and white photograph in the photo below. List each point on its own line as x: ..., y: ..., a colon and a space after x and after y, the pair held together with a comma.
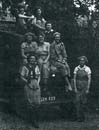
x: 49, y: 64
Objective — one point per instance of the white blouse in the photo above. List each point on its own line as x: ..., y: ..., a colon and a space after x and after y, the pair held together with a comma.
x: 86, y: 68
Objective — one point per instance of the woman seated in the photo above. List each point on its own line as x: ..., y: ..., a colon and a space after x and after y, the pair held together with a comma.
x: 58, y: 58
x: 21, y: 24
x: 38, y: 17
x: 28, y: 47
x: 30, y: 75
x: 43, y: 53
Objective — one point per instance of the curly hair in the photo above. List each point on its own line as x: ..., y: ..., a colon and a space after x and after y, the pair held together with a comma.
x: 29, y: 34
x: 84, y: 58
x: 29, y: 56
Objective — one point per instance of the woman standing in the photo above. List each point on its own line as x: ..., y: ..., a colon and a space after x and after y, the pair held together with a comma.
x: 30, y: 75
x: 43, y: 53
x: 82, y: 80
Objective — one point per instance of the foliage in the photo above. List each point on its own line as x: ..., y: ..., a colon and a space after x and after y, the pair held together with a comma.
x: 77, y: 20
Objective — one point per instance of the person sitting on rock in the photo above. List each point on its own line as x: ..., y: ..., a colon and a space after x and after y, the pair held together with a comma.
x: 58, y: 59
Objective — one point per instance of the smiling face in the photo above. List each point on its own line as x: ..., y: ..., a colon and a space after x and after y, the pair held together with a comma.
x: 41, y: 38
x: 48, y: 26
x: 29, y: 38
x: 82, y: 62
x: 57, y: 38
x: 32, y: 60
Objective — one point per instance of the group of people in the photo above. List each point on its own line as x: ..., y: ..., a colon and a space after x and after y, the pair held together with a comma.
x: 50, y: 57
x: 39, y: 58
x: 47, y: 53
x: 30, y: 22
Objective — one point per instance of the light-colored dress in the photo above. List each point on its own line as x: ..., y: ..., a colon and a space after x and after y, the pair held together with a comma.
x: 43, y: 52
x: 28, y: 49
x: 31, y: 88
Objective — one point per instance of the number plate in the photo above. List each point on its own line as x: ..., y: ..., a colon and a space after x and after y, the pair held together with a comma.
x: 48, y: 99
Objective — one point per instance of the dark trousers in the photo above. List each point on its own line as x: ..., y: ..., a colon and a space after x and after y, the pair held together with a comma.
x: 32, y: 114
x: 81, y: 104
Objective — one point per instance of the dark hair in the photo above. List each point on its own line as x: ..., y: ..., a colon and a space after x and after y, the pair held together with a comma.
x: 36, y: 8
x: 48, y: 22
x: 29, y: 56
x: 21, y: 6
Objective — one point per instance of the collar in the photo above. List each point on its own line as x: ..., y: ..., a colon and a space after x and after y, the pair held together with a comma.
x: 82, y: 67
x: 32, y: 66
x: 49, y: 31
x: 59, y: 43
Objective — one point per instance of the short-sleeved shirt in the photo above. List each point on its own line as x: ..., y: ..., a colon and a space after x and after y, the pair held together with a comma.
x: 85, y: 68
x: 28, y: 48
x: 25, y: 72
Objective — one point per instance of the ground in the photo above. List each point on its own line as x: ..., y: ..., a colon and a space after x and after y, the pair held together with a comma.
x: 11, y: 121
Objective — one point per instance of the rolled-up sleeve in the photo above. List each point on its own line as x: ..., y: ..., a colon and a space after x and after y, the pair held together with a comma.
x: 88, y: 70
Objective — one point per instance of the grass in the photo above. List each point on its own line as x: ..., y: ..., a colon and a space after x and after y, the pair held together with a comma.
x: 51, y: 121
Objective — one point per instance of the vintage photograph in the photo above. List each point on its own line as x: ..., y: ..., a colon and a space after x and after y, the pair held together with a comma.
x: 49, y: 64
